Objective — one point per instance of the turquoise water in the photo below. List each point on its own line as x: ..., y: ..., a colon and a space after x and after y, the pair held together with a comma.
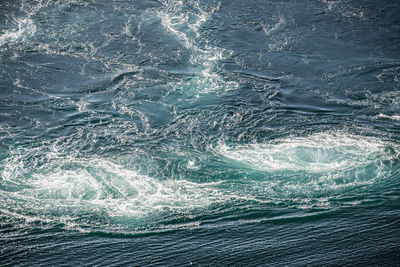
x: 244, y: 133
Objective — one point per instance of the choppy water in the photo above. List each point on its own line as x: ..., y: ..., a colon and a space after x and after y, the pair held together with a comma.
x: 199, y: 132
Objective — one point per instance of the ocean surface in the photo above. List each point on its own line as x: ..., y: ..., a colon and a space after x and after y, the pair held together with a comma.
x: 199, y: 132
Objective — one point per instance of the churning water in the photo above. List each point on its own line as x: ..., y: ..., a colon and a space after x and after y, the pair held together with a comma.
x: 199, y: 132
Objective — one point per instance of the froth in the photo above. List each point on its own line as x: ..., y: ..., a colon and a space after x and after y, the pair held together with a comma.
x: 392, y: 117
x: 300, y: 172
x: 320, y: 152
x: 184, y: 22
x: 314, y: 170
x: 25, y: 28
x: 100, y: 184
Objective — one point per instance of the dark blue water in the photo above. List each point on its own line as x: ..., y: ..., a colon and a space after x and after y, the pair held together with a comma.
x: 200, y: 132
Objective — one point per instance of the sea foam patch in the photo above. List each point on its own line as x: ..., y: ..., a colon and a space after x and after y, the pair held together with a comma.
x: 58, y: 188
x: 184, y: 21
x: 303, y: 171
x: 25, y: 27
x: 321, y: 152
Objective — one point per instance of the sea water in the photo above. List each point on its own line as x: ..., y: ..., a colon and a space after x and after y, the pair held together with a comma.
x: 169, y: 132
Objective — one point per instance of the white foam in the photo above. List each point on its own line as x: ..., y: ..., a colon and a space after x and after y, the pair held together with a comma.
x: 101, y: 184
x: 344, y: 9
x: 302, y: 172
x: 184, y: 23
x: 26, y: 26
x: 278, y: 37
x: 392, y: 117
x: 279, y: 23
x: 320, y: 152
x: 25, y: 29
